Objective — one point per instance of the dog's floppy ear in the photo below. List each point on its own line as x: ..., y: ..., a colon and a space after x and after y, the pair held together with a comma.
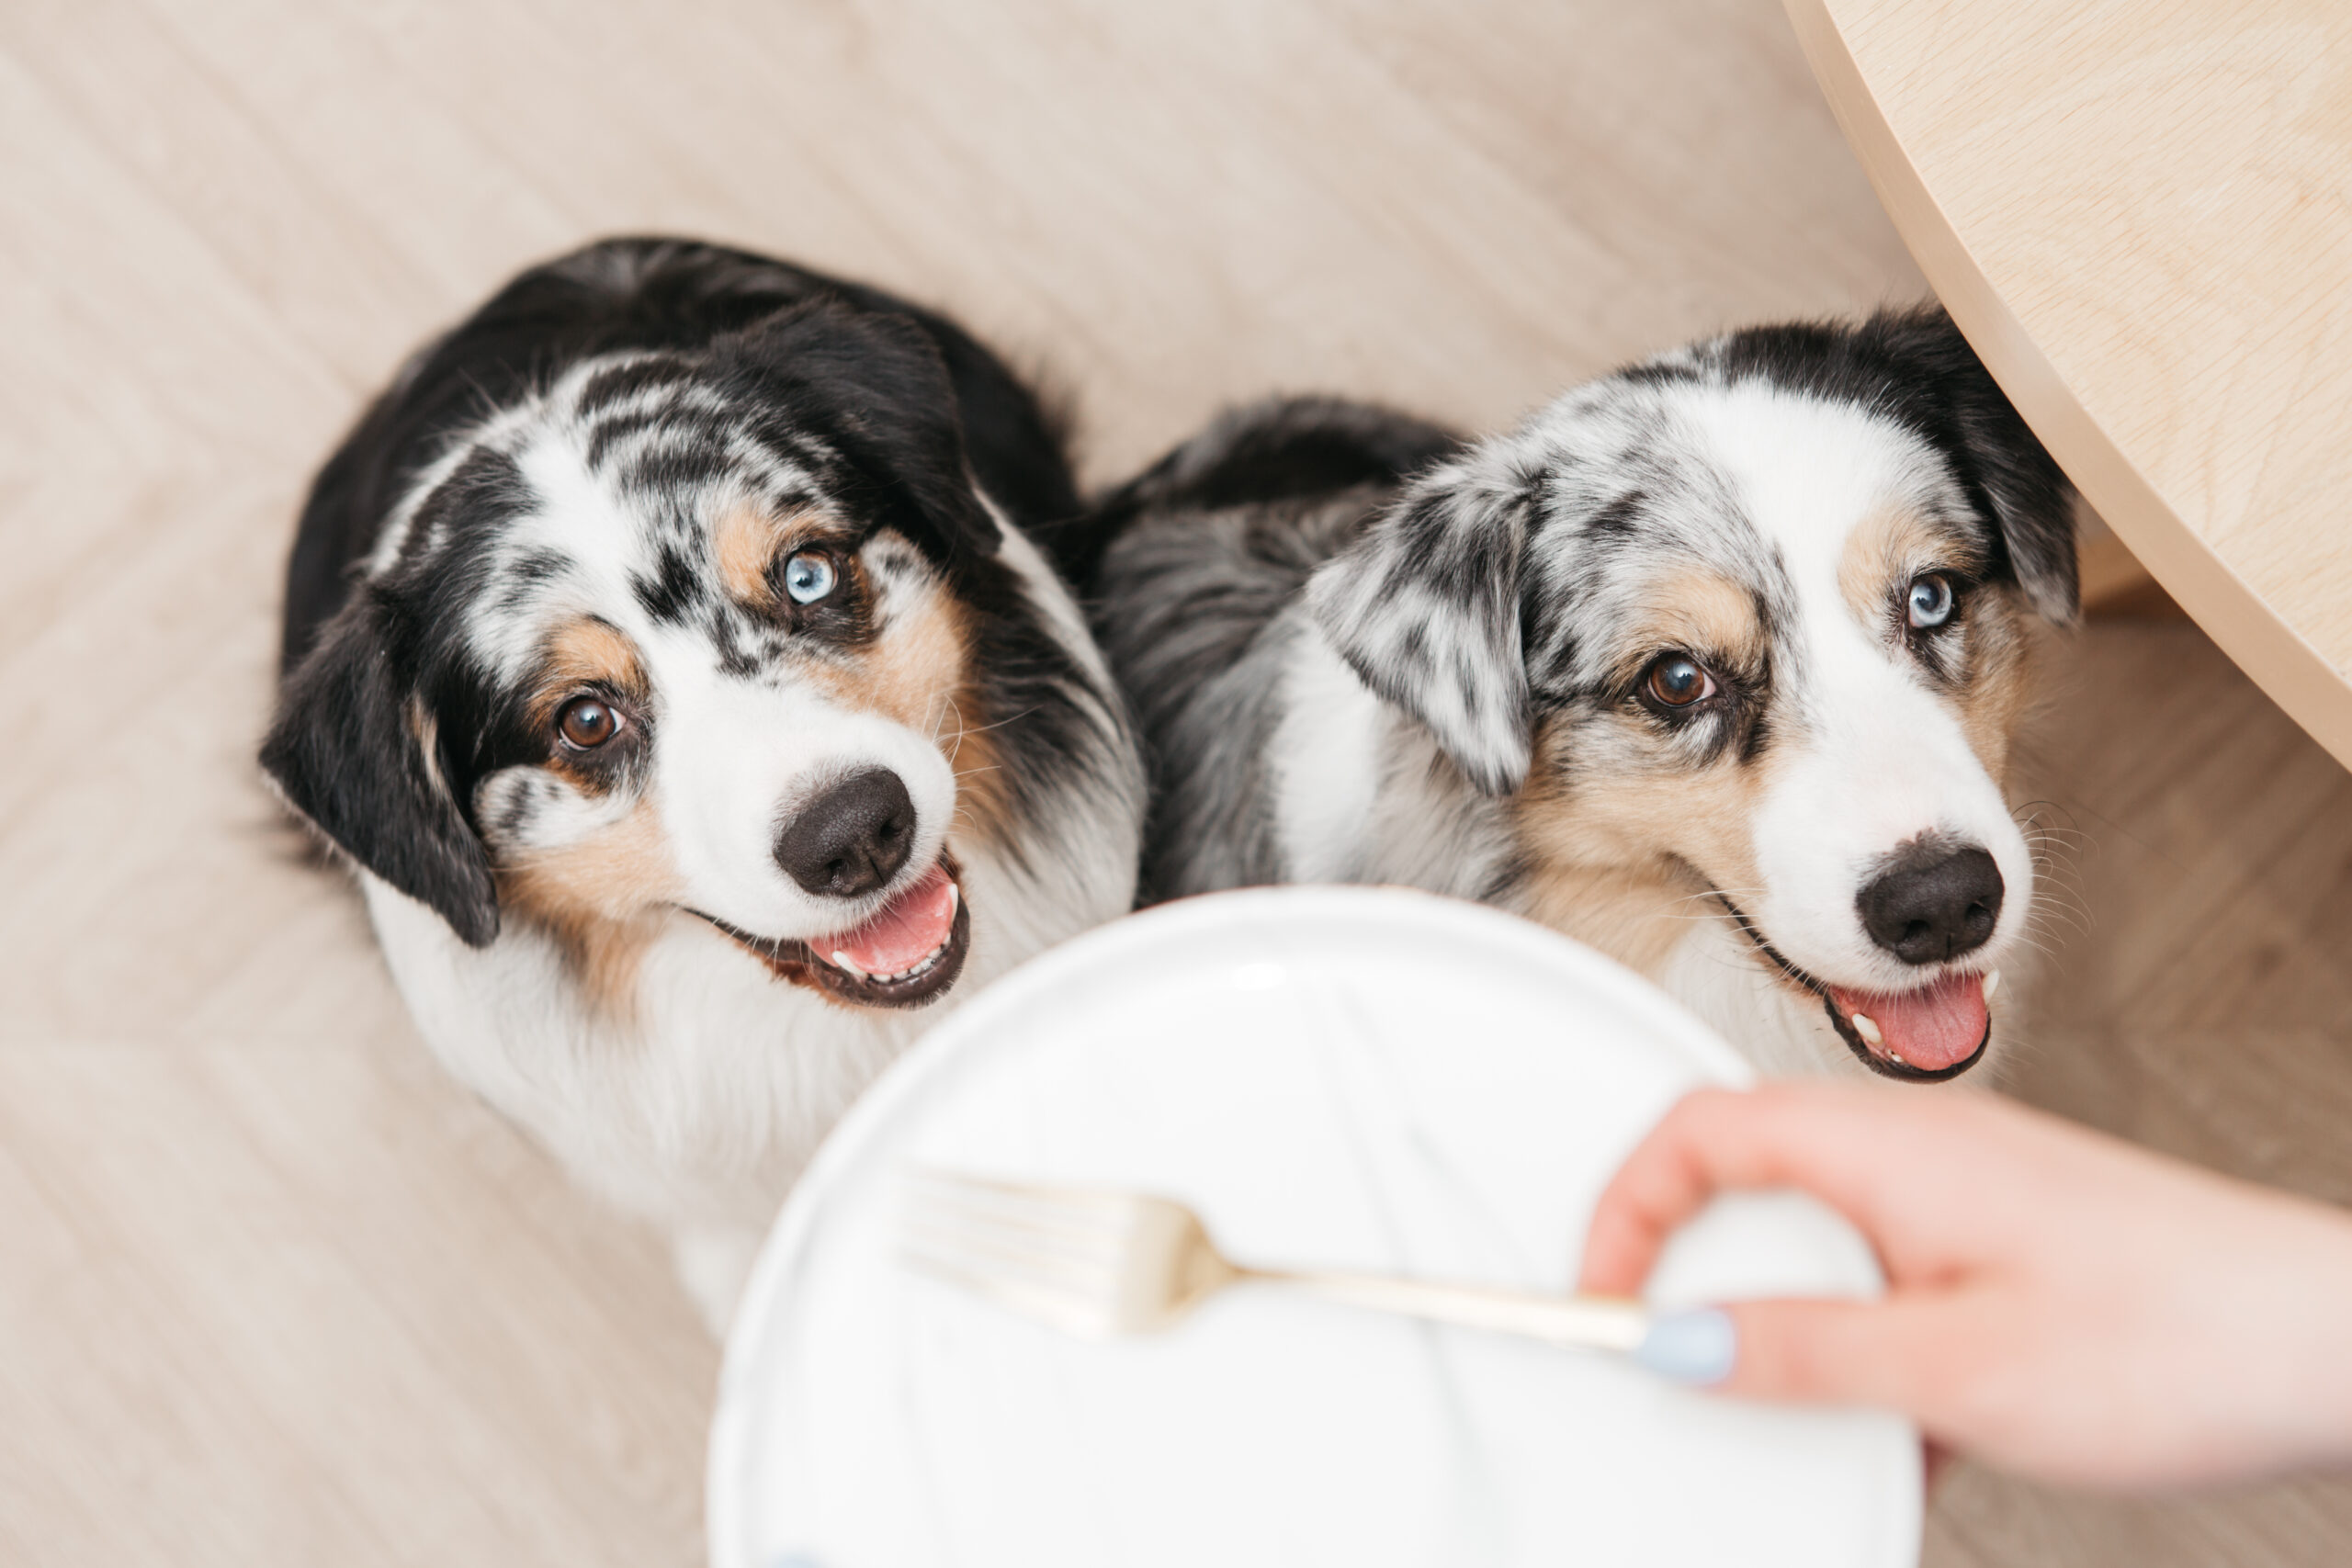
x: 353, y: 748
x: 873, y: 383
x: 1424, y: 604
x: 2029, y: 495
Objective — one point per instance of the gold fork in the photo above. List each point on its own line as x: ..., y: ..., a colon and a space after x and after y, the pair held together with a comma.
x: 1100, y: 1262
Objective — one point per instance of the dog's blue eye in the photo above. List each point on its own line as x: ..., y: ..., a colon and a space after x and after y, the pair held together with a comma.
x: 807, y: 577
x: 1931, y: 600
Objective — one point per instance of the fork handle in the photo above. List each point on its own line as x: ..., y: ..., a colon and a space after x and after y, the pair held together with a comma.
x: 1600, y: 1323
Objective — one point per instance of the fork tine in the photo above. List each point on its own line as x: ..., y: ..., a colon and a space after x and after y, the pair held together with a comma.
x: 1053, y: 1254
x: 1068, y: 1255
x: 1027, y: 1222
x: 1078, y: 1312
x: 1043, y: 1210
x: 1024, y: 1234
x: 1060, y: 1197
x: 1017, y: 1229
x: 965, y: 1249
x: 1026, y: 1218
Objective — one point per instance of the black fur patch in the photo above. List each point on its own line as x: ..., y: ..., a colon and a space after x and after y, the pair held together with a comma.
x: 1285, y: 449
x: 345, y: 752
x: 671, y: 594
x: 617, y: 296
x: 1914, y: 366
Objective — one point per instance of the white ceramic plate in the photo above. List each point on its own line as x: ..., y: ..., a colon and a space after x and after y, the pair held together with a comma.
x: 1345, y: 1078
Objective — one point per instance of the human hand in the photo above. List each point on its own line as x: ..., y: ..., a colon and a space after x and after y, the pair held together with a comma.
x: 2059, y: 1304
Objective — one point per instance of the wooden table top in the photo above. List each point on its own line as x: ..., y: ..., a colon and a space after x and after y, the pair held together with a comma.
x: 2140, y: 211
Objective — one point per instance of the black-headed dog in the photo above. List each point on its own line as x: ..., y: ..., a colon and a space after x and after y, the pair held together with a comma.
x: 669, y: 651
x: 1714, y: 663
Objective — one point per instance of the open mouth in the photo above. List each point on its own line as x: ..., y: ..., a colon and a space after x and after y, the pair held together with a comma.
x: 1927, y: 1035
x: 909, y: 951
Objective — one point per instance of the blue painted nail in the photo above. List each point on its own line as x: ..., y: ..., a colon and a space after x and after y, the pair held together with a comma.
x: 1695, y: 1347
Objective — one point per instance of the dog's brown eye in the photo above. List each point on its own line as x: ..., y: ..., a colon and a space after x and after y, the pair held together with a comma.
x: 1678, y: 681
x: 587, y: 723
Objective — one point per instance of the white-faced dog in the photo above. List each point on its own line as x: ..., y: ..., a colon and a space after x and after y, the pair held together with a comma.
x: 1714, y: 663
x: 665, y: 648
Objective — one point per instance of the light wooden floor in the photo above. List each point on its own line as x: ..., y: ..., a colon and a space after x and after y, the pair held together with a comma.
x: 271, y: 1290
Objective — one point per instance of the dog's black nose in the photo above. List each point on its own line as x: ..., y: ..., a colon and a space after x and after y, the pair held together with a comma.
x: 1933, y: 902
x: 851, y: 839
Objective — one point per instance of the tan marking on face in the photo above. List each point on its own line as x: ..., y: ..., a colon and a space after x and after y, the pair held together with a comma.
x: 747, y: 542
x: 1633, y: 917
x: 983, y: 798
x: 1894, y: 546
x: 425, y: 732
x: 1614, y: 823
x: 1707, y: 616
x: 1624, y: 846
x: 911, y: 671
x: 604, y: 899
x: 1890, y: 548
x: 2003, y: 637
x: 744, y: 543
x: 916, y: 671
x: 587, y: 652
x: 581, y: 655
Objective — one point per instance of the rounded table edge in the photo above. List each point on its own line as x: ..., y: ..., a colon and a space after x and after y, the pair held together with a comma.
x: 2277, y: 658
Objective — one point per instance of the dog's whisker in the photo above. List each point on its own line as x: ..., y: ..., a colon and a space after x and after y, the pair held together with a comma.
x: 2064, y: 902
x: 1715, y: 894
x: 1000, y: 724
x: 955, y: 748
x: 2051, y: 921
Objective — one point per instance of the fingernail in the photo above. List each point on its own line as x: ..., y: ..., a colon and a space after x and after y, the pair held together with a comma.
x: 1694, y: 1347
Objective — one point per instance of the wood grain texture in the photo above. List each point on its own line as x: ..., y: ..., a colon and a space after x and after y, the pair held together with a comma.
x: 272, y: 1291
x: 2141, y: 213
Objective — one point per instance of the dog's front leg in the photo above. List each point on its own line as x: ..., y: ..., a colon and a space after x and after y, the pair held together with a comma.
x: 713, y: 1263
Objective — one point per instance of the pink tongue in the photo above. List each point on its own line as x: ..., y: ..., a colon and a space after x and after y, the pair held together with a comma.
x: 1932, y: 1028
x: 907, y: 930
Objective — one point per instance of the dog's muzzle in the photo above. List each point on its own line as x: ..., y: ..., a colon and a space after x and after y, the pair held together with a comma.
x: 1953, y: 1012
x: 908, y: 953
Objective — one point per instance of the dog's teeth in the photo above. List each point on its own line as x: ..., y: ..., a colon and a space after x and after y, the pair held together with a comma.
x: 841, y: 962
x: 954, y: 896
x: 1867, y: 1027
x: 1991, y: 982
